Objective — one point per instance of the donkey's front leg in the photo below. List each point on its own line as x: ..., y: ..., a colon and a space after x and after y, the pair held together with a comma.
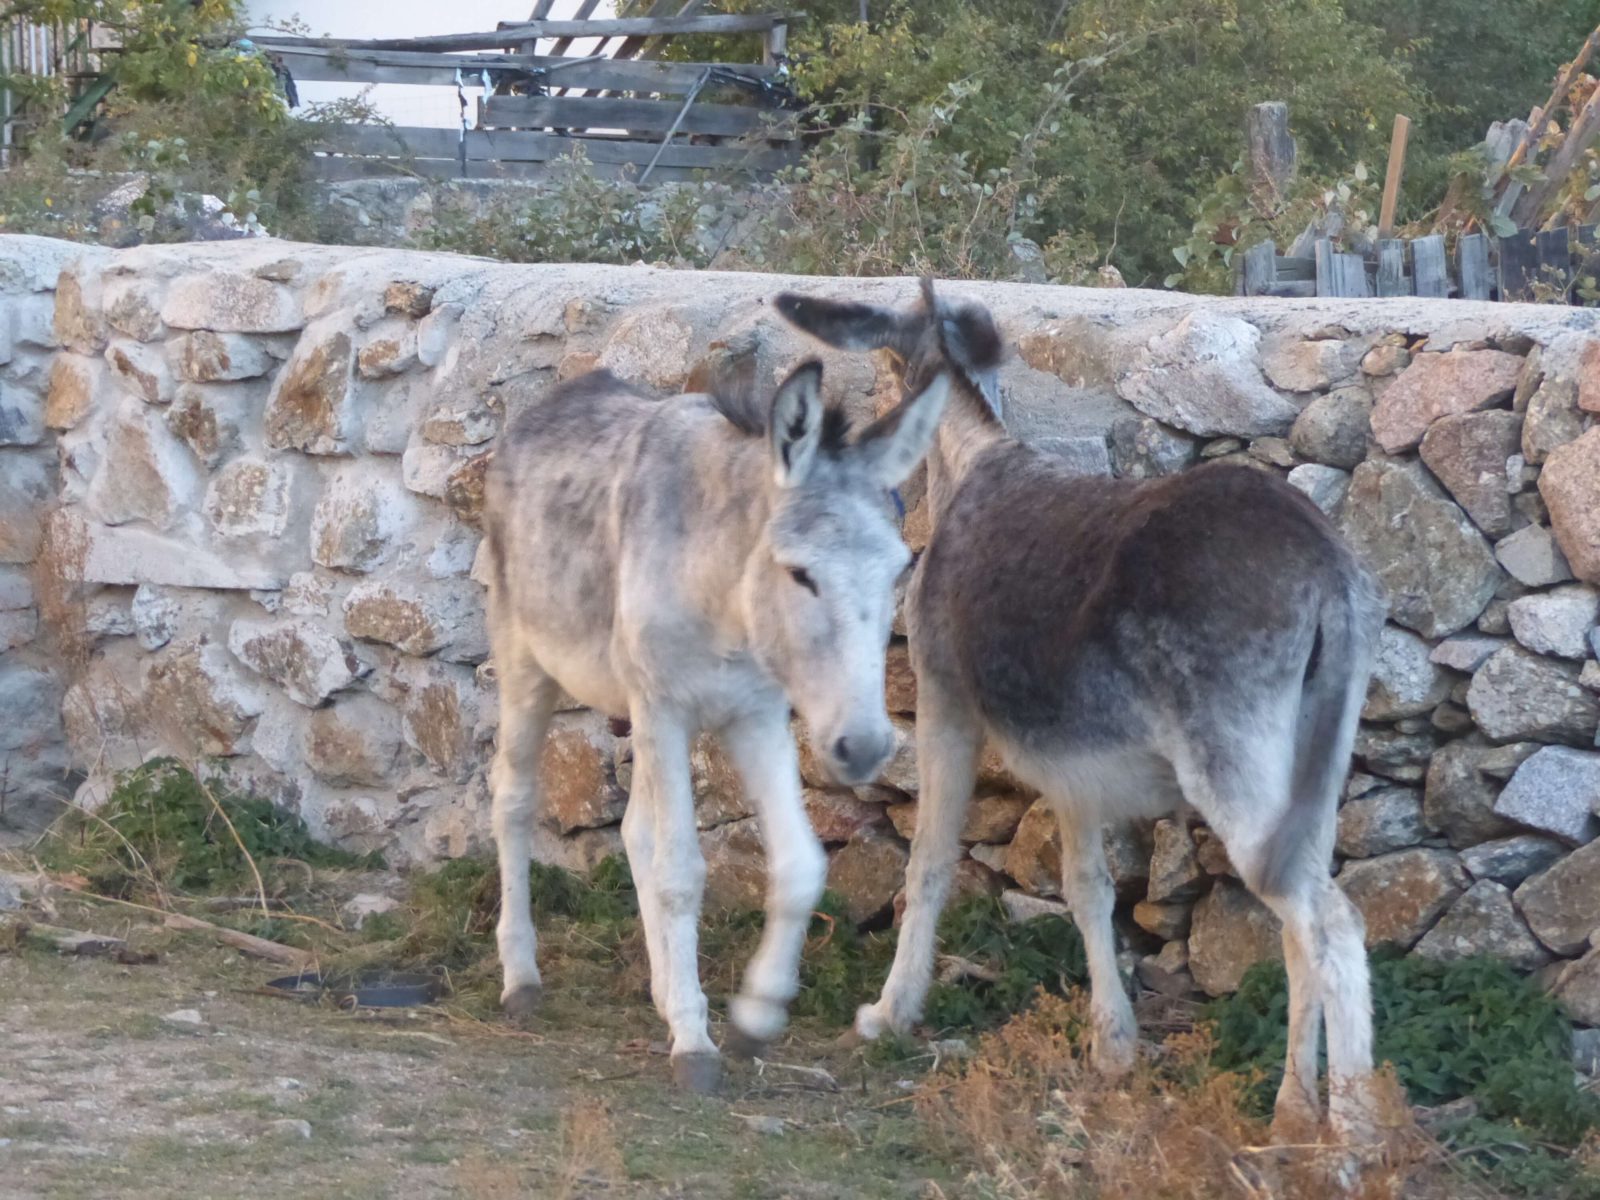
x: 677, y: 876
x: 763, y: 752
x: 948, y: 737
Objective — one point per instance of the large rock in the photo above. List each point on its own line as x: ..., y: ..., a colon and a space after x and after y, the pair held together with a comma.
x: 311, y: 406
x: 142, y: 371
x: 1379, y: 822
x: 1326, y: 487
x: 1577, y: 990
x: 1552, y: 420
x: 1464, y: 779
x: 1441, y: 385
x: 441, y: 713
x: 1511, y: 860
x: 1311, y: 366
x: 355, y: 742
x: 1405, y: 682
x: 361, y: 517
x: 76, y: 383
x: 838, y: 814
x: 990, y: 820
x: 1521, y: 696
x: 1146, y: 449
x: 1334, y: 429
x: 1555, y: 791
x: 1570, y: 485
x: 130, y: 555
x: 444, y: 617
x: 1484, y: 922
x: 1033, y: 858
x: 1468, y: 454
x: 578, y: 775
x: 199, y: 701
x: 1562, y: 904
x: 1436, y: 570
x: 1401, y: 895
x: 1393, y: 753
x: 145, y: 474
x: 867, y: 872
x: 299, y: 655
x: 650, y: 346
x: 1532, y: 557
x: 1230, y: 932
x: 252, y: 498
x: 1201, y: 375
x: 215, y: 419
x: 1175, y: 873
x: 206, y: 357
x: 79, y: 324
x: 1556, y: 622
x: 736, y: 867
x: 231, y: 303
x: 1466, y: 651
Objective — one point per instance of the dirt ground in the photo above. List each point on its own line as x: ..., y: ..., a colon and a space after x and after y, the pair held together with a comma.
x: 109, y: 1088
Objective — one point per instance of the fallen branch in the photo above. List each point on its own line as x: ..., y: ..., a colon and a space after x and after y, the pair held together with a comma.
x: 247, y: 942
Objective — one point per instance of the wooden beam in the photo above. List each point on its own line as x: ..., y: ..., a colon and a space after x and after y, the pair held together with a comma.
x: 494, y: 145
x: 585, y: 11
x: 400, y: 66
x: 515, y: 33
x: 647, y: 116
x: 1391, y: 182
x: 1271, y: 150
x: 339, y: 167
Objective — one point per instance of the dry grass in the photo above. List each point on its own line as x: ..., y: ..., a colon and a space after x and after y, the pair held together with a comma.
x: 1046, y: 1126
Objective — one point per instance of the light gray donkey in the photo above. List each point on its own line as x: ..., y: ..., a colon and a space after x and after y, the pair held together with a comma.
x: 695, y: 563
x: 1127, y: 646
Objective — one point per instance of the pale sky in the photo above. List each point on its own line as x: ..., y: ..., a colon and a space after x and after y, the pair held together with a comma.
x: 404, y: 105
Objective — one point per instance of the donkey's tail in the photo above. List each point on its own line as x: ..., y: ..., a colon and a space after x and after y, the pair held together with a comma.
x: 1331, y: 696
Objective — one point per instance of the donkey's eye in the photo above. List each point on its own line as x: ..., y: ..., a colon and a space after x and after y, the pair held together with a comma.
x: 803, y: 577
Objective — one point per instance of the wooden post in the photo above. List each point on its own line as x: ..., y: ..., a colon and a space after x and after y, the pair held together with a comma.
x: 1429, y: 275
x: 775, y: 47
x: 1392, y: 279
x: 1391, y: 182
x: 1271, y: 150
x: 1472, y: 258
x: 1259, y: 272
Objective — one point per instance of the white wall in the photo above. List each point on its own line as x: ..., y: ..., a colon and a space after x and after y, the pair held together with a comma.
x: 404, y: 105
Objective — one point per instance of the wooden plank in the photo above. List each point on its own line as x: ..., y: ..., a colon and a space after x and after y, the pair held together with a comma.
x: 1392, y: 278
x: 1472, y: 259
x: 648, y: 116
x: 1519, y: 265
x: 1430, y: 275
x: 1295, y: 287
x: 1270, y: 149
x: 1391, y: 182
x: 317, y: 64
x: 1297, y: 269
x: 1325, y: 280
x: 1350, y: 275
x: 484, y: 145
x: 585, y: 11
x: 775, y: 46
x: 1260, y: 269
x: 513, y: 33
x: 1554, y: 247
x: 634, y: 46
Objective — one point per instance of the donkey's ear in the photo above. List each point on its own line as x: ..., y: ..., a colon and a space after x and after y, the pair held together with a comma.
x: 893, y: 445
x: 846, y: 325
x: 794, y: 426
x: 973, y: 346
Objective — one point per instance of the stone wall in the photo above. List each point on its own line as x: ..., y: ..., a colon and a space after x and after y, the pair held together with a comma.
x: 241, y: 484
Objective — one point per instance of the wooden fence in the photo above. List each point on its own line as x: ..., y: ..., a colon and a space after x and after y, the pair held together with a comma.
x: 1529, y: 265
x: 43, y: 51
x: 627, y: 112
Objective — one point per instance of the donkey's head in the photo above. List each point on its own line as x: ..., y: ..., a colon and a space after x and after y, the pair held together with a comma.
x: 819, y: 588
x: 934, y: 334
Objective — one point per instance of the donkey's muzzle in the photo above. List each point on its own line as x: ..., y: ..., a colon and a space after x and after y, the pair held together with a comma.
x: 856, y: 758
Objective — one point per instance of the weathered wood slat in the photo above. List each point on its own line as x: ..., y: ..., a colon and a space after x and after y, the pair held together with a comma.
x: 1270, y: 148
x: 1260, y: 270
x: 317, y: 64
x: 1350, y: 275
x: 486, y: 145
x: 517, y: 32
x: 1429, y: 273
x: 1555, y: 258
x: 1392, y: 277
x: 1297, y: 269
x: 1519, y: 266
x: 1472, y: 264
x: 343, y: 168
x: 1325, y: 280
x: 647, y: 116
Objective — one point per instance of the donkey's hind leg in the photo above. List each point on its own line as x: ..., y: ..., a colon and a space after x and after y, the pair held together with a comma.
x: 527, y: 698
x: 763, y: 751
x: 1086, y: 884
x: 948, y: 737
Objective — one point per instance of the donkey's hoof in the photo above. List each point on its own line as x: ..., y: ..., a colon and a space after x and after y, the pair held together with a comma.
x: 699, y: 1072
x: 740, y: 1044
x: 522, y: 1002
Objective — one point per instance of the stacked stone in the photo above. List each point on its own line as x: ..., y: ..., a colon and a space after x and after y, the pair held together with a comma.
x: 259, y: 466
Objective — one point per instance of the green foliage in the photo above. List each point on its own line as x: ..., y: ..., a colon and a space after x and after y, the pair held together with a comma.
x: 162, y: 827
x: 1468, y: 1028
